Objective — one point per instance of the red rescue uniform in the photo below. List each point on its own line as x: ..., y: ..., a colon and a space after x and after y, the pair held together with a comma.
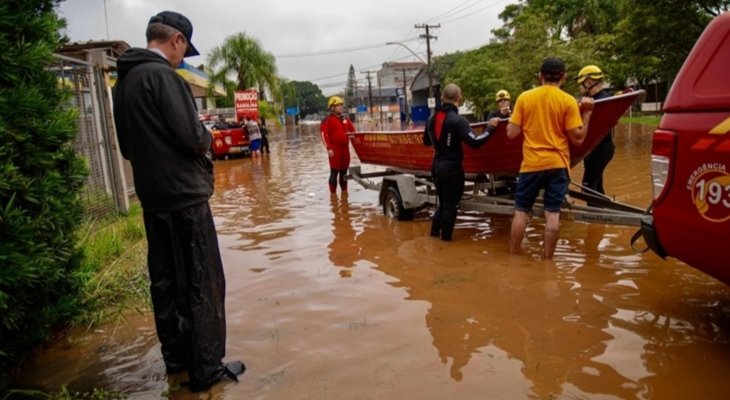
x: 334, y: 131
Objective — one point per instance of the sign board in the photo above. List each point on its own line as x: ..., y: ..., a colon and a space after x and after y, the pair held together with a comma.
x: 292, y: 111
x: 431, y: 102
x: 247, y: 103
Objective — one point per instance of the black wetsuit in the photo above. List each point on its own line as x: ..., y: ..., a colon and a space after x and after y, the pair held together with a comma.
x: 447, y: 168
x: 595, y: 162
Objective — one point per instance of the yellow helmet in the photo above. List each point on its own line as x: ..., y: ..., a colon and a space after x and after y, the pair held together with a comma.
x: 334, y: 100
x: 589, y: 71
x: 501, y: 95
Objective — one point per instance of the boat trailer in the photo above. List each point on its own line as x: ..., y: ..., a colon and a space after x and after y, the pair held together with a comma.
x: 403, y: 192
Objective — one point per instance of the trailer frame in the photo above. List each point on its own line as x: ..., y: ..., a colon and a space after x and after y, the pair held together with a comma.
x: 403, y: 192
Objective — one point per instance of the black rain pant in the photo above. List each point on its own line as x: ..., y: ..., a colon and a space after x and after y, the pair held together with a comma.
x: 595, y: 163
x: 188, y: 290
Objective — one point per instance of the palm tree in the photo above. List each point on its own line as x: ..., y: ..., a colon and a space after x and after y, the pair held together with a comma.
x: 242, y: 57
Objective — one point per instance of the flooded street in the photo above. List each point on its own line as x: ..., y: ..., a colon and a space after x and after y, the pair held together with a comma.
x: 327, y: 299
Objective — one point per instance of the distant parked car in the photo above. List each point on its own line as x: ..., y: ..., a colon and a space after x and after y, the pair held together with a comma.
x: 690, y: 160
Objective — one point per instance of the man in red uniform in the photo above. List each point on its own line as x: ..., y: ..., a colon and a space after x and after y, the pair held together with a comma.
x: 334, y: 128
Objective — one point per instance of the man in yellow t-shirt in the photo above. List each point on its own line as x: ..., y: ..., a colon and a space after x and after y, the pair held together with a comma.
x: 549, y: 118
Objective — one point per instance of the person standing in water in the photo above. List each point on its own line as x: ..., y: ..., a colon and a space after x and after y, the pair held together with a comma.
x: 160, y: 134
x: 591, y: 84
x: 446, y: 130
x: 334, y: 129
x: 549, y: 118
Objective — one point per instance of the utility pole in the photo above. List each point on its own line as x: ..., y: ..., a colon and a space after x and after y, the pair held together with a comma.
x: 428, y: 38
x: 380, y: 103
x: 405, y: 99
x: 370, y: 93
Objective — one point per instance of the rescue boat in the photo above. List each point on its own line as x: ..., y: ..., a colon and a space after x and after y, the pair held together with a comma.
x: 500, y: 156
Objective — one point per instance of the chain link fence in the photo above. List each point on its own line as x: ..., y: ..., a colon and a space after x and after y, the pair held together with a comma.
x: 92, y: 141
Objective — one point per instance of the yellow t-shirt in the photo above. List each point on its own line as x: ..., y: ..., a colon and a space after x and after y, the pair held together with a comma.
x: 546, y: 114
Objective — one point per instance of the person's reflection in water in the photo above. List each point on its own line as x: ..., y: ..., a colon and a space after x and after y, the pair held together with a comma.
x: 343, y: 251
x: 535, y: 313
x: 594, y: 236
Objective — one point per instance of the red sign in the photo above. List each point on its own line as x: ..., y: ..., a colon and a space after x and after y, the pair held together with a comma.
x: 247, y: 103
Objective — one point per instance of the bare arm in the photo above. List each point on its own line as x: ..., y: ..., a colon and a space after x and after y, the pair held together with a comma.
x: 513, y: 130
x: 577, y: 135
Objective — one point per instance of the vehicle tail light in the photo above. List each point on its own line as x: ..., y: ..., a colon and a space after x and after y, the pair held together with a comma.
x: 662, y: 152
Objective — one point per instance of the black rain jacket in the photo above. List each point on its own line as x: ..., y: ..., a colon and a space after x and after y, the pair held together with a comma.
x: 160, y: 134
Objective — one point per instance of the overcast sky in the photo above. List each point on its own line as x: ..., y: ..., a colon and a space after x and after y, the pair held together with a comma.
x: 312, y: 40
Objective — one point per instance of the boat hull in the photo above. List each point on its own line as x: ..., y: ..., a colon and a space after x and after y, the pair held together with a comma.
x: 500, y: 156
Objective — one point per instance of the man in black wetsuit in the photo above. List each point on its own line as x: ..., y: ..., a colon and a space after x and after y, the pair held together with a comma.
x: 591, y: 82
x: 445, y: 131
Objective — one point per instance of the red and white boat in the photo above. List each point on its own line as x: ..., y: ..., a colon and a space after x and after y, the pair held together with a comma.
x: 500, y: 156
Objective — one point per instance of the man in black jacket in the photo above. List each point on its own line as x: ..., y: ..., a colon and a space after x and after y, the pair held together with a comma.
x: 160, y: 134
x: 591, y: 84
x: 445, y: 131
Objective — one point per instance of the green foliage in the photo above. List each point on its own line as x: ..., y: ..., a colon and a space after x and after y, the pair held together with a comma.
x: 244, y: 58
x: 306, y: 95
x: 65, y: 394
x: 627, y: 39
x: 480, y: 74
x: 111, y: 275
x: 40, y: 181
x: 651, y: 120
x: 268, y: 112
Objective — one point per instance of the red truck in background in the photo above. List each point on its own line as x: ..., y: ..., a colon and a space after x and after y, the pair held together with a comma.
x: 690, y: 159
x: 228, y: 139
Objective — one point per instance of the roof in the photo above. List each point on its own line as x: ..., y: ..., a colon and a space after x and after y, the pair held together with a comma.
x: 113, y: 48
x: 420, y: 82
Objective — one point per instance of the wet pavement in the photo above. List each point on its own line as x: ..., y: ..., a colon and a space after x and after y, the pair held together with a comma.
x: 327, y: 299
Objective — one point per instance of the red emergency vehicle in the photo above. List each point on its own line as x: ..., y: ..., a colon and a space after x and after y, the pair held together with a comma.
x: 228, y: 140
x: 691, y: 157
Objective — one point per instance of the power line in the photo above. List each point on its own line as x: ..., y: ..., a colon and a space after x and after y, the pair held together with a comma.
x: 360, y: 70
x: 472, y: 13
x: 334, y: 51
x: 454, y: 10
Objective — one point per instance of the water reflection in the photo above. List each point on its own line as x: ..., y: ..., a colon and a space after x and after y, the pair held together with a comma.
x: 343, y: 251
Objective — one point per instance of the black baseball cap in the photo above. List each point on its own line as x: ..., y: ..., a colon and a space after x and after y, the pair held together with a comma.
x: 552, y: 67
x: 179, y: 22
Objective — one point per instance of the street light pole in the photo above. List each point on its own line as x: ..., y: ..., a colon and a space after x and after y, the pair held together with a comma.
x: 407, y: 48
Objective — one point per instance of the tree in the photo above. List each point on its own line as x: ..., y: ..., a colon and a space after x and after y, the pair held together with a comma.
x: 40, y: 182
x: 242, y: 60
x: 480, y: 74
x: 656, y: 36
x: 305, y: 95
x: 574, y: 18
x: 351, y: 88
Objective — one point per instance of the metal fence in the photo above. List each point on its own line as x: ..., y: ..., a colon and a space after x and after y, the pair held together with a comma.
x: 100, y: 194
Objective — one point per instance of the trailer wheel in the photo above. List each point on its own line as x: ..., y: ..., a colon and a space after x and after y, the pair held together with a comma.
x: 393, y: 206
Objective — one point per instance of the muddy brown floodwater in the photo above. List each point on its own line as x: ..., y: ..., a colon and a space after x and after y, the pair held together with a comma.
x: 327, y: 299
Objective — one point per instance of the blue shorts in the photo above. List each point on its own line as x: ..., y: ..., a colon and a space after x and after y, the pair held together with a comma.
x: 255, y: 145
x: 554, y: 181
